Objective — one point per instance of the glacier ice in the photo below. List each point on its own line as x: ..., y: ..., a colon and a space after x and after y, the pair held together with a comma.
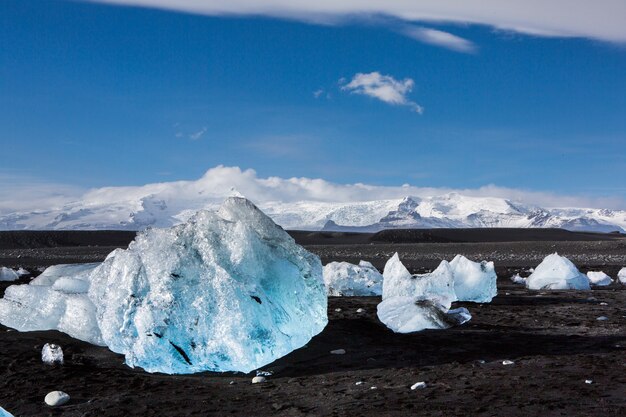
x: 412, y: 303
x: 52, y: 354
x: 5, y: 413
x: 599, y: 278
x: 474, y: 281
x: 518, y: 279
x: 8, y: 274
x: 226, y: 291
x: 346, y: 279
x: 557, y: 273
x: 404, y: 314
x: 621, y: 275
x: 437, y: 286
x: 56, y: 299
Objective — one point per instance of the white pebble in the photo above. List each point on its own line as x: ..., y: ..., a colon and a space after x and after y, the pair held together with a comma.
x: 52, y: 354
x: 507, y: 362
x: 56, y: 398
x: 418, y: 385
x: 258, y: 379
x: 338, y: 352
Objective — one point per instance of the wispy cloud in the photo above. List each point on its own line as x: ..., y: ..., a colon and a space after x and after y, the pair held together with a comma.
x: 197, y: 135
x: 601, y: 19
x: 384, y: 88
x: 439, y: 38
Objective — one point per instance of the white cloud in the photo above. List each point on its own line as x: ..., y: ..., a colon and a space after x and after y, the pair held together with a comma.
x: 218, y: 182
x: 384, y: 88
x: 439, y: 38
x: 600, y: 19
x: 197, y: 135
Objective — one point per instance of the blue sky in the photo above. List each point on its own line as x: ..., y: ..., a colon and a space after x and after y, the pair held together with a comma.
x: 94, y: 95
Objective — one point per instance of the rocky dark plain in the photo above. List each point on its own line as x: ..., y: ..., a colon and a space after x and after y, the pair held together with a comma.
x: 565, y: 361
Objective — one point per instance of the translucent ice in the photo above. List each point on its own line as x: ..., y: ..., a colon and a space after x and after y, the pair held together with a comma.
x: 437, y: 286
x: 56, y: 299
x: 52, y: 354
x: 599, y: 278
x: 343, y: 278
x: 474, y: 281
x: 518, y: 279
x: 621, y: 275
x: 410, y: 314
x: 5, y: 413
x: 557, y: 273
x: 8, y: 274
x: 226, y: 291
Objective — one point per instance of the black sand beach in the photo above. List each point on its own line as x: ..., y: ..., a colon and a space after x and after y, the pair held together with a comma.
x: 553, y: 338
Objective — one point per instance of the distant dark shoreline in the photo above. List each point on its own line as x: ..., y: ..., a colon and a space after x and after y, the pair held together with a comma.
x: 33, y: 239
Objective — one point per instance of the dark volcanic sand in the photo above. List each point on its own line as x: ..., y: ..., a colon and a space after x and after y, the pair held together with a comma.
x: 553, y: 337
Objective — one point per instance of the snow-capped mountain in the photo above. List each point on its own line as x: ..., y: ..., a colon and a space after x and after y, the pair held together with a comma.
x: 162, y: 208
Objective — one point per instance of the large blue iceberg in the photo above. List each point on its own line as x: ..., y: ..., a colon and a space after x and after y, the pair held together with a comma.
x: 226, y: 291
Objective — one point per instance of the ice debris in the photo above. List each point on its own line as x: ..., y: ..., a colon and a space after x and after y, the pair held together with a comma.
x: 621, y: 275
x: 55, y: 300
x: 226, y: 291
x: 346, y: 279
x: 507, y: 362
x: 599, y: 278
x: 8, y: 274
x: 473, y: 281
x: 52, y: 354
x: 557, y: 273
x: 56, y: 398
x: 338, y: 352
x: 5, y: 413
x: 437, y: 286
x: 518, y: 279
x: 418, y: 385
x: 413, y: 314
x: 413, y: 303
x: 259, y: 379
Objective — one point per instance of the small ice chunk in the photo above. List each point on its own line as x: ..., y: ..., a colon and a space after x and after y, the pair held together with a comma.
x: 346, y: 279
x: 5, y: 413
x: 599, y: 278
x: 56, y: 398
x: 474, y: 281
x: 337, y: 310
x: 518, y: 279
x: 602, y: 318
x: 8, y: 274
x: 359, y: 383
x: 413, y: 314
x: 588, y: 381
x: 507, y: 362
x: 557, y: 273
x: 52, y: 354
x: 360, y: 310
x: 418, y: 385
x: 338, y: 352
x: 22, y: 272
x: 621, y: 275
x: 258, y: 379
x: 437, y: 286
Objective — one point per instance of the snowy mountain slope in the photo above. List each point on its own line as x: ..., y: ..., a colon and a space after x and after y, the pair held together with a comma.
x: 448, y: 210
x: 299, y: 203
